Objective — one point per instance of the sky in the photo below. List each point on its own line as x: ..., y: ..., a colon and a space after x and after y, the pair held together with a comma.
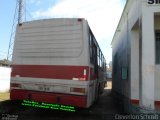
x: 102, y: 15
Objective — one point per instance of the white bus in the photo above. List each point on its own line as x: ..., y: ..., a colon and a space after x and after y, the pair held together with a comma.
x: 57, y: 61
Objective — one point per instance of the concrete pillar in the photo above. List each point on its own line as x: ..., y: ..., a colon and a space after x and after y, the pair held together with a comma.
x: 135, y: 61
x: 148, y: 60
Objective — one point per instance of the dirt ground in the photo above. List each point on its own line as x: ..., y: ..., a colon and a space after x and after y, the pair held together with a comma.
x: 4, y: 96
x: 108, y: 85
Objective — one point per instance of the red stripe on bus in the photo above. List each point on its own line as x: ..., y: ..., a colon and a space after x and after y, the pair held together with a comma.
x: 157, y: 104
x: 50, y: 71
x: 79, y: 101
x: 135, y: 102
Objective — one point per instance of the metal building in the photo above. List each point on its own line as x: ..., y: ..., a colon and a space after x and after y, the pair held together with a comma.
x: 136, y: 56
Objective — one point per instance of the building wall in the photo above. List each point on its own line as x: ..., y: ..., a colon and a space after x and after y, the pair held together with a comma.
x: 147, y: 97
x: 5, y: 79
x: 157, y: 67
x: 133, y: 46
x: 122, y: 50
x: 134, y: 30
x: 135, y: 61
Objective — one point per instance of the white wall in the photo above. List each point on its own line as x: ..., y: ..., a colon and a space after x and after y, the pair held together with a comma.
x: 157, y: 68
x: 157, y: 83
x: 148, y: 55
x: 138, y: 11
x: 4, y: 79
x: 134, y: 16
x: 123, y: 44
x: 135, y: 62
